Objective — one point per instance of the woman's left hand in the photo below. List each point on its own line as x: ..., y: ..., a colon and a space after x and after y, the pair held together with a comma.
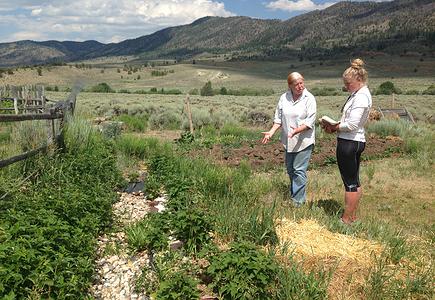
x: 291, y: 132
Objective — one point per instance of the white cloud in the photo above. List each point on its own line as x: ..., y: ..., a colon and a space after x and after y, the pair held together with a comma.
x: 102, y: 20
x: 298, y: 5
x: 36, y: 12
x: 27, y: 35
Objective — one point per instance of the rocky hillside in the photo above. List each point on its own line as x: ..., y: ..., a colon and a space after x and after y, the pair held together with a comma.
x: 371, y: 26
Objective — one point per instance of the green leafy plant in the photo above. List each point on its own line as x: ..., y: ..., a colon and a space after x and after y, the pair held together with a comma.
x: 148, y: 234
x: 243, y: 272
x: 178, y: 287
x: 193, y: 227
x: 152, y: 187
x: 186, y: 138
x: 49, y: 226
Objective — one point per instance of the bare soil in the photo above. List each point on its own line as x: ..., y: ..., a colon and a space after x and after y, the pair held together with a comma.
x: 270, y: 155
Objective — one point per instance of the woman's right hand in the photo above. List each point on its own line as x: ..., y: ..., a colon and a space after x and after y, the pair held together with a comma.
x: 267, y: 136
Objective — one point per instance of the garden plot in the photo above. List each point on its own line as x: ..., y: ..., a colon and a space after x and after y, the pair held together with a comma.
x: 272, y: 154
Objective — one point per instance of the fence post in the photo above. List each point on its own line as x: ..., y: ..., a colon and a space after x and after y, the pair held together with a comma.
x: 189, y: 114
x: 16, y: 106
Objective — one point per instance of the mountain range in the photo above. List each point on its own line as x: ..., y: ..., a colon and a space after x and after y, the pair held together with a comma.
x: 390, y: 27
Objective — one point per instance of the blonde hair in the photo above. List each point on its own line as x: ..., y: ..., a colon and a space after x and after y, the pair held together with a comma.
x: 293, y: 77
x: 356, y: 71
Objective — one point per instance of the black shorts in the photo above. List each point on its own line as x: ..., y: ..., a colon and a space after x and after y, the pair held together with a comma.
x: 348, y: 159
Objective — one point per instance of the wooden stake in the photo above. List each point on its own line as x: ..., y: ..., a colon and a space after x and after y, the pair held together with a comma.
x: 189, y: 114
x: 16, y: 105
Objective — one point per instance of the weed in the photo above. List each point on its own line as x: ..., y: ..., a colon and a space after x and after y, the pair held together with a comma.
x: 243, y: 272
x: 193, y: 227
x: 378, y: 280
x: 149, y: 234
x: 178, y: 286
x: 136, y: 123
x: 295, y: 284
x: 370, y: 171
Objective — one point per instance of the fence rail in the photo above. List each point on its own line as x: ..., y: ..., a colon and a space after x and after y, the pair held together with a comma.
x: 31, y: 109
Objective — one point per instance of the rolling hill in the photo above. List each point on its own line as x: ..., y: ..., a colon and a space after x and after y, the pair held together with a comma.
x: 392, y: 27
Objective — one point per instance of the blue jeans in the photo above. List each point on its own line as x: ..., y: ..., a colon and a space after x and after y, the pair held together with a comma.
x: 297, y: 165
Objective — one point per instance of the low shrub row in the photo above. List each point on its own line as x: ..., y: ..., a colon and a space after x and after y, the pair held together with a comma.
x: 52, y: 210
x: 207, y: 90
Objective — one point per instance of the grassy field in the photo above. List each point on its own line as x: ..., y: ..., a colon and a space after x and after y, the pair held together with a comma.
x: 316, y: 254
x: 405, y: 72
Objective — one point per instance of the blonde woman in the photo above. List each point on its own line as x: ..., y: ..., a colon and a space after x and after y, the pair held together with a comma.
x: 295, y: 114
x: 351, y: 135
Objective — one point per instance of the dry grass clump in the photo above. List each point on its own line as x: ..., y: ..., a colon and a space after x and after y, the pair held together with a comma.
x: 349, y: 258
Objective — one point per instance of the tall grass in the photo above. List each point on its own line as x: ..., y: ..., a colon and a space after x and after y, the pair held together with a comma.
x: 389, y: 127
x: 419, y: 139
x: 137, y: 123
x: 143, y: 148
x: 29, y: 135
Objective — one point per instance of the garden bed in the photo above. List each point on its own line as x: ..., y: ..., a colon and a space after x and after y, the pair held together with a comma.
x: 258, y: 155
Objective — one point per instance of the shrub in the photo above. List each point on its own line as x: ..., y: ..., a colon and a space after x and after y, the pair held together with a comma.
x: 194, y: 92
x: 243, y: 272
x: 165, y: 120
x: 158, y: 73
x: 430, y: 90
x: 250, y: 92
x: 112, y: 129
x: 207, y: 89
x: 193, y: 227
x: 387, y: 88
x: 102, y: 88
x: 412, y: 92
x: 200, y: 118
x: 325, y: 91
x: 178, y: 286
x: 388, y: 127
x: 256, y: 118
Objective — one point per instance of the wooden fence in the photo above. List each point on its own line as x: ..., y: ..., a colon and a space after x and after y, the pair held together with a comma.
x: 28, y: 104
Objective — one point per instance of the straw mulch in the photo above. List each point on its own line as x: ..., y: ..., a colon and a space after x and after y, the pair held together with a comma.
x: 349, y: 258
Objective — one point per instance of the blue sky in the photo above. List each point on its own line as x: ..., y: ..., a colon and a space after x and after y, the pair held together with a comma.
x: 116, y: 20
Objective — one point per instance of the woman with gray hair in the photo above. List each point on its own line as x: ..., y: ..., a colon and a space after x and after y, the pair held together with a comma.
x: 295, y: 114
